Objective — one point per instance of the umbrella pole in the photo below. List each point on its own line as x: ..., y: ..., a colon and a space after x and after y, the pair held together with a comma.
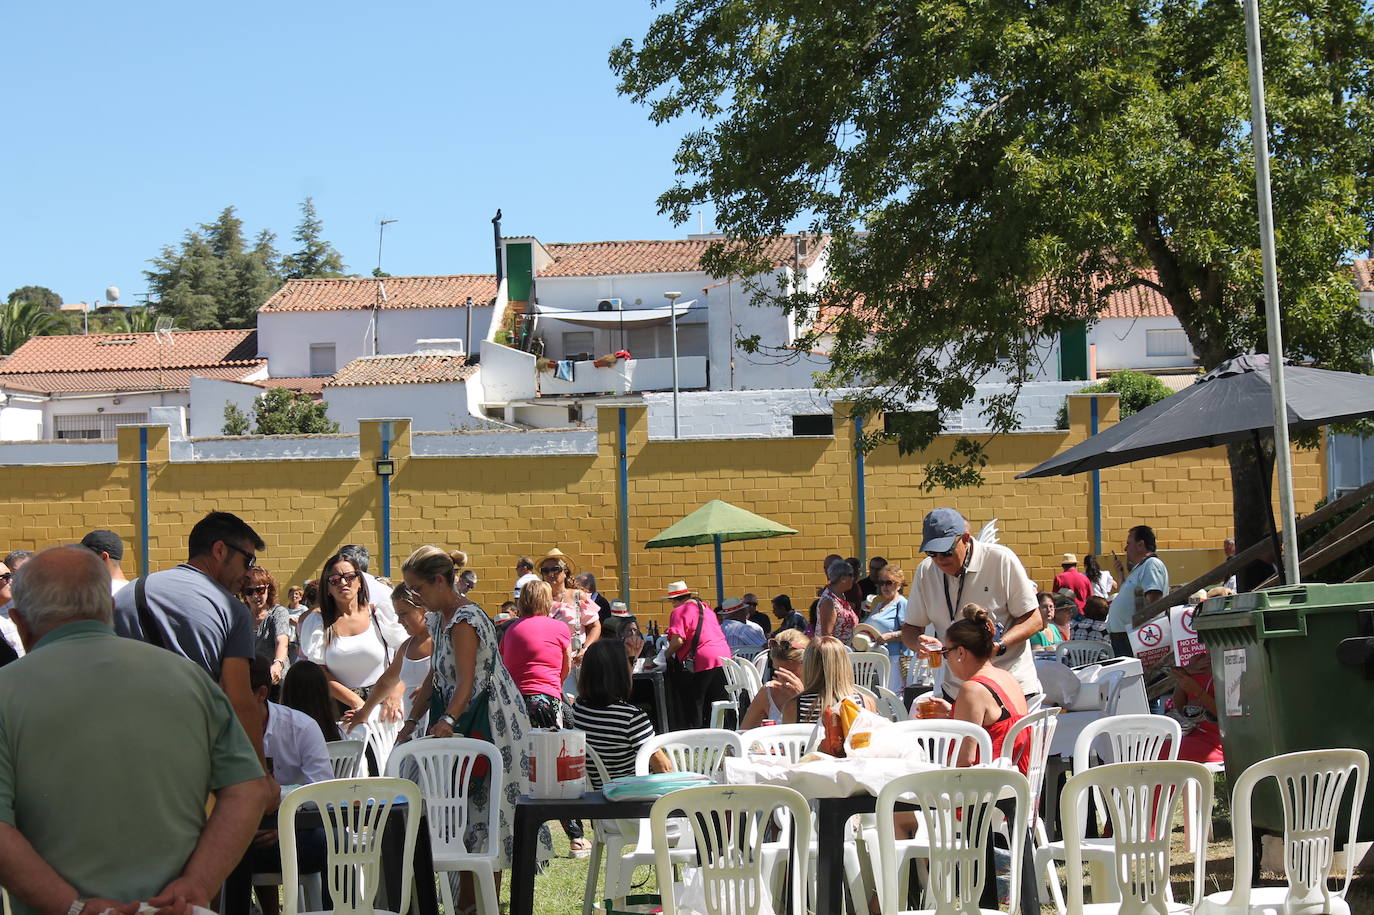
x: 720, y: 575
x: 1266, y: 470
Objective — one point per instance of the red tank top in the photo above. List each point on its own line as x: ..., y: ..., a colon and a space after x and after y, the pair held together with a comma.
x: 998, y: 729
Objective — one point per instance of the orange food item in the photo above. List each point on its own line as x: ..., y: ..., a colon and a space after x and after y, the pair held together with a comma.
x: 832, y: 731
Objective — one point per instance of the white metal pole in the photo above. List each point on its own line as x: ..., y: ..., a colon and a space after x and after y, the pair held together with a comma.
x: 1259, y: 131
x: 672, y: 298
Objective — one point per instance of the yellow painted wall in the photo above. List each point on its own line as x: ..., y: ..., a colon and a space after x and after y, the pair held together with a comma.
x: 498, y: 508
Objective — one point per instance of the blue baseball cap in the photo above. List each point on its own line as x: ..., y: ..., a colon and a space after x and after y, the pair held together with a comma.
x: 942, y: 528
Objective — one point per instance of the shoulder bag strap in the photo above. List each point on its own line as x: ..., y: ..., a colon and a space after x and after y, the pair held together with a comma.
x: 696, y: 633
x: 152, y: 634
x: 386, y: 649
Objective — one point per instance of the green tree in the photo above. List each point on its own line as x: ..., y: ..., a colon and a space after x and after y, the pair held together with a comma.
x: 21, y: 320
x: 213, y: 279
x: 990, y: 174
x: 38, y: 295
x: 281, y: 412
x: 316, y: 257
x: 1137, y: 389
x: 138, y: 320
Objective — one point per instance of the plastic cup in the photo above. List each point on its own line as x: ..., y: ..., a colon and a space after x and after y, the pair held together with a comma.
x: 926, y: 707
x: 769, y: 721
x: 934, y: 659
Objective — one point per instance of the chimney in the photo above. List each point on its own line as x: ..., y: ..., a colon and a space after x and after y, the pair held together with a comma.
x: 496, y: 235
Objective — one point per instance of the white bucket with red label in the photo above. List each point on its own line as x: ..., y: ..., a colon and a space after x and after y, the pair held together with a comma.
x: 558, y: 763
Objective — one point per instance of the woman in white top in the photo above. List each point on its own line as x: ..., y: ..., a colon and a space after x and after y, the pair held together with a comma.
x: 1102, y: 581
x: 409, y: 667
x: 355, y: 653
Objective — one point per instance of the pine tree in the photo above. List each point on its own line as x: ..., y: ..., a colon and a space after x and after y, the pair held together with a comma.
x: 212, y: 279
x: 316, y: 257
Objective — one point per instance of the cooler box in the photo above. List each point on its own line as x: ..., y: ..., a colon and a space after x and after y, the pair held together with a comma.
x: 1280, y: 686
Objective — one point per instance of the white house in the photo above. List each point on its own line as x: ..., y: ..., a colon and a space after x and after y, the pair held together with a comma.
x: 429, y: 386
x: 312, y: 328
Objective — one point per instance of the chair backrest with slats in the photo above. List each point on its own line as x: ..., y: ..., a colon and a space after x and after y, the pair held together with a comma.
x: 729, y: 824
x: 701, y: 750
x: 447, y: 771
x: 871, y: 668
x: 941, y: 738
x: 1127, y: 738
x: 890, y: 704
x: 1141, y: 799
x: 355, y: 814
x: 346, y: 757
x: 781, y: 741
x: 958, y: 808
x: 1078, y: 652
x: 1041, y: 726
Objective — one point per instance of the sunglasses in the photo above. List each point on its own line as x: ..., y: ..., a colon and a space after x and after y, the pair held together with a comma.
x: 552, y: 570
x: 343, y: 578
x: 249, y: 559
x: 886, y: 582
x: 7, y: 577
x: 260, y: 589
x: 944, y: 554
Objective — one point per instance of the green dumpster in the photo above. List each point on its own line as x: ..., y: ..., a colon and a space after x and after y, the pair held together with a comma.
x: 1294, y: 670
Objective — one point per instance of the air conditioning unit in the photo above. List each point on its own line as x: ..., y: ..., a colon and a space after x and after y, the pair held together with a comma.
x: 608, y: 305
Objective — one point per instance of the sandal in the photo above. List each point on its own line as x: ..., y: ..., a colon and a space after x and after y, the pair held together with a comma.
x: 579, y: 848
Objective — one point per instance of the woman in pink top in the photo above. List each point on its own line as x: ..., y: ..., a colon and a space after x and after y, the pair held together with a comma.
x: 537, y: 650
x: 696, y: 640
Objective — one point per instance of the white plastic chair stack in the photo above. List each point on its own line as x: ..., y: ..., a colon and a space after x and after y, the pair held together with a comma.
x: 355, y: 814
x: 751, y: 677
x: 890, y: 704
x: 728, y: 826
x: 871, y: 668
x: 1141, y: 800
x: 381, y: 737
x: 734, y: 687
x: 1123, y: 739
x: 958, y: 807
x: 346, y: 757
x: 444, y: 768
x: 1080, y: 652
x: 1314, y: 786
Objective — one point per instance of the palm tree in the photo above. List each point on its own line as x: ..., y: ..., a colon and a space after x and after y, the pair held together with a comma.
x: 133, y: 321
x: 21, y: 320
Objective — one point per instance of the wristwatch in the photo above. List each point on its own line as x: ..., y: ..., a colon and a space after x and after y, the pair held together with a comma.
x: 1001, y: 649
x: 448, y: 720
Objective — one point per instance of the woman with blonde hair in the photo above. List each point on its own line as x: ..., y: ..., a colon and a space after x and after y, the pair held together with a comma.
x: 887, y: 616
x: 473, y: 689
x: 828, y: 680
x: 410, y: 668
x: 785, y: 653
x: 572, y: 605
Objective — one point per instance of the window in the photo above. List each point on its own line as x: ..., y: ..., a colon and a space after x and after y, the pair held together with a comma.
x: 322, y: 359
x: 1166, y: 343
x: 657, y: 342
x: 902, y: 421
x: 92, y: 425
x: 578, y: 344
x: 814, y: 424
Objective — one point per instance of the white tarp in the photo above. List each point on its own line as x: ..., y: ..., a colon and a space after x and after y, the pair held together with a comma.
x: 631, y: 317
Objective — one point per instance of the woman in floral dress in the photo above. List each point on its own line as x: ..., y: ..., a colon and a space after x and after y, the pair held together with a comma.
x: 573, y: 606
x: 467, y: 668
x: 834, y: 615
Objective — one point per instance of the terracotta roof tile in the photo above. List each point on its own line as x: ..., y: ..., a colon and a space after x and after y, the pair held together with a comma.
x: 415, y: 368
x: 172, y: 379
x: 1364, y: 274
x: 354, y: 293
x: 611, y: 258
x: 117, y: 352
x: 313, y: 385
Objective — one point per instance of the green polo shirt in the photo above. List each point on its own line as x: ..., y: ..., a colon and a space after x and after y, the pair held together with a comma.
x: 109, y: 748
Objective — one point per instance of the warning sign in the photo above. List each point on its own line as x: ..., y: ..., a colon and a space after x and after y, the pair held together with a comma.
x: 1153, y: 641
x: 1187, y: 645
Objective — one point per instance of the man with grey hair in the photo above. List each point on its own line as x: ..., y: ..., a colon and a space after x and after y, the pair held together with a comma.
x: 587, y: 582
x: 107, y: 810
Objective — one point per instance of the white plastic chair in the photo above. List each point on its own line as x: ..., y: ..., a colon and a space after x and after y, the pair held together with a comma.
x: 751, y: 676
x: 346, y: 757
x: 1122, y: 687
x: 786, y: 741
x: 941, y: 738
x: 1141, y: 799
x: 728, y: 826
x: 1081, y: 652
x: 734, y: 688
x: 760, y: 663
x: 444, y: 770
x: 699, y: 750
x: 871, y: 668
x: 1123, y: 739
x: 890, y: 704
x: 1041, y: 725
x: 1313, y: 785
x: 381, y: 737
x: 355, y: 814
x: 957, y: 810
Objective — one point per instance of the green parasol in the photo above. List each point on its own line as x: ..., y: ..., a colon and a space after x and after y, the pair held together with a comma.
x: 717, y: 522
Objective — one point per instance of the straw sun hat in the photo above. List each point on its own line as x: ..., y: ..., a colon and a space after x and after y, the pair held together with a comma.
x: 561, y: 556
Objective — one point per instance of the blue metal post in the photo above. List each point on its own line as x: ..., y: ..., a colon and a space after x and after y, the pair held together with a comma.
x: 862, y: 495
x: 1097, y: 485
x: 720, y: 573
x: 143, y: 537
x: 386, y: 503
x: 623, y: 475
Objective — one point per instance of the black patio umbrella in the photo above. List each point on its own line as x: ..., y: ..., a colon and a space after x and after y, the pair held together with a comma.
x: 1231, y: 403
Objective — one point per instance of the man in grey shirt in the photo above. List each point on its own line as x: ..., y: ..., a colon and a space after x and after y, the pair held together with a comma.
x: 193, y: 610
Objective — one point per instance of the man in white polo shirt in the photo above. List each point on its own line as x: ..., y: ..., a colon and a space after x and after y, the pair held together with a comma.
x: 959, y: 570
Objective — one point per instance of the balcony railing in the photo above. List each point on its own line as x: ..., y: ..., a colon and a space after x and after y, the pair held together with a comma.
x: 627, y: 376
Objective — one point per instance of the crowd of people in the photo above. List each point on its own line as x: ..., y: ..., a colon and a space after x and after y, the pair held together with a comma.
x: 235, y: 681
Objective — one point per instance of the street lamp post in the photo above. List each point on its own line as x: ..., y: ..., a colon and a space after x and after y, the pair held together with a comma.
x: 672, y: 298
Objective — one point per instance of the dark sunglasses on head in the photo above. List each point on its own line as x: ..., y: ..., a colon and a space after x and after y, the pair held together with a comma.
x: 342, y: 578
x: 259, y: 589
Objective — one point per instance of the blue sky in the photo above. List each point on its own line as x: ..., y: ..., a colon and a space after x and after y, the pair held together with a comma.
x: 130, y: 123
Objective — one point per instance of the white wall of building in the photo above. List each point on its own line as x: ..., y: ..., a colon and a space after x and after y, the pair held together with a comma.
x: 209, y: 397
x: 505, y: 374
x: 21, y: 422
x: 437, y: 407
x: 1123, y: 343
x: 285, y: 337
x: 627, y: 375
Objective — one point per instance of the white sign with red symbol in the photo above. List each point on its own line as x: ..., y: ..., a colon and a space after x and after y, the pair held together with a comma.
x: 1186, y: 643
x: 1153, y: 642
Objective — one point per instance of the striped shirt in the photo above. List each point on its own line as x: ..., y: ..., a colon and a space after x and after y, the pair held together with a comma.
x: 615, y: 732
x: 809, y: 710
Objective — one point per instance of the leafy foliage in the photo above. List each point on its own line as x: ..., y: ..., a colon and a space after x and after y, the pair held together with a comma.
x: 316, y: 257
x: 140, y: 320
x: 38, y: 295
x: 20, y: 320
x: 281, y: 412
x: 989, y: 174
x: 1137, y: 389
x: 213, y: 279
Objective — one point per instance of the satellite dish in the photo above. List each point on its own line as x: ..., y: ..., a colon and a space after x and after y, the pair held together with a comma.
x: 112, y: 293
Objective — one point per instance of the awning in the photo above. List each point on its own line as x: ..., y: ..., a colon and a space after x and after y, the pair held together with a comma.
x: 630, y: 317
